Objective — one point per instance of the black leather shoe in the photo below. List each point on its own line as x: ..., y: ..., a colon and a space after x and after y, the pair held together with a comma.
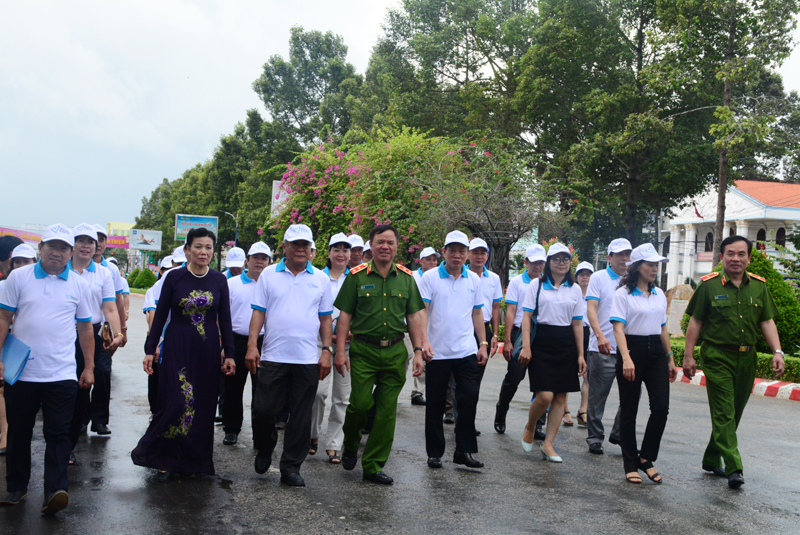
x: 613, y: 440
x: 418, y: 400
x: 735, y: 480
x: 349, y: 459
x: 380, y: 478
x: 217, y: 419
x: 477, y: 433
x: 13, y: 498
x: 449, y: 419
x: 596, y: 448
x: 716, y: 470
x: 539, y: 433
x: 499, y: 419
x: 293, y: 480
x: 55, y: 502
x: 262, y: 463
x: 467, y: 460
x: 230, y: 439
x: 435, y: 462
x: 101, y: 429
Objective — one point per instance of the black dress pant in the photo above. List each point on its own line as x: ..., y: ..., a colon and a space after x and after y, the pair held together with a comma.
x: 82, y: 399
x: 233, y: 407
x: 466, y: 373
x: 23, y: 400
x: 652, y: 369
x: 285, y: 385
x: 452, y: 405
x: 101, y: 391
x: 515, y: 373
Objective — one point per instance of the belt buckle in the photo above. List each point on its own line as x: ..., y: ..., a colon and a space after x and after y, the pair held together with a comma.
x: 743, y: 349
x: 384, y: 343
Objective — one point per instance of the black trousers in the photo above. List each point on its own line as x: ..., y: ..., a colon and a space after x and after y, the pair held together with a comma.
x: 452, y: 405
x: 82, y: 399
x: 101, y: 391
x: 23, y: 400
x: 233, y: 407
x: 515, y: 373
x: 652, y: 369
x: 466, y: 373
x: 285, y: 385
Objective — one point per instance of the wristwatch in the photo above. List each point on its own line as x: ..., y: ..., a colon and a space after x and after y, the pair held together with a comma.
x: 417, y: 349
x: 484, y: 343
x: 329, y: 348
x: 779, y: 351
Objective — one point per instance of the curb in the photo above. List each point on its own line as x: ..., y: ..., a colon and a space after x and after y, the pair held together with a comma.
x: 761, y: 387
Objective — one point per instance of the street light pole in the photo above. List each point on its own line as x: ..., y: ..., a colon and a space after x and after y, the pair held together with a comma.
x: 236, y: 219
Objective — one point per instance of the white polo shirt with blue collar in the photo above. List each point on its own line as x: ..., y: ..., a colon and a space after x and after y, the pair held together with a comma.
x: 292, y: 305
x: 451, y: 301
x: 115, y: 276
x: 557, y: 306
x: 417, y: 274
x: 46, y: 308
x: 491, y: 291
x: 602, y: 286
x: 515, y: 294
x: 101, y: 288
x: 642, y: 314
x: 241, y: 290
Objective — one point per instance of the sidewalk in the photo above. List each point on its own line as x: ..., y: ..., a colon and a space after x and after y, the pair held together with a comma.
x: 761, y: 387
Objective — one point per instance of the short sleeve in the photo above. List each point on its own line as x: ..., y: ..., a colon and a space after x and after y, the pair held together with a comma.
x: 347, y: 296
x: 117, y: 280
x: 425, y: 289
x: 83, y: 312
x: 512, y: 293
x: 498, y: 290
x: 149, y: 301
x: 414, y: 303
x: 529, y: 299
x: 593, y: 290
x: 619, y: 306
x: 9, y: 297
x: 477, y: 302
x: 663, y: 321
x: 126, y: 289
x: 769, y: 311
x: 698, y: 303
x: 579, y: 310
x: 109, y: 294
x: 260, y: 294
x: 326, y: 304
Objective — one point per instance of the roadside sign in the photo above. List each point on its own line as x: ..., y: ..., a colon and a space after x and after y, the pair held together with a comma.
x: 145, y: 240
x: 184, y: 223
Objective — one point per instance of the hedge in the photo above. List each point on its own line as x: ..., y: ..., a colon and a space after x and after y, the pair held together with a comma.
x: 132, y: 277
x: 145, y: 279
x: 763, y: 367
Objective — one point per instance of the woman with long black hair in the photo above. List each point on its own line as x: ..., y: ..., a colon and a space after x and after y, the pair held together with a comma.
x: 639, y: 317
x: 556, y: 351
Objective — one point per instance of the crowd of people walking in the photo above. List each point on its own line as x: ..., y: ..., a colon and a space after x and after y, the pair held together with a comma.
x: 339, y: 342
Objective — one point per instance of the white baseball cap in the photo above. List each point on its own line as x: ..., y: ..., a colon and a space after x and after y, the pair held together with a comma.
x: 178, y: 255
x: 113, y: 260
x: 298, y: 233
x: 619, y: 245
x: 166, y: 262
x: 339, y: 238
x: 647, y: 253
x: 100, y: 229
x: 59, y: 231
x: 426, y: 252
x: 367, y: 247
x: 356, y: 241
x: 477, y: 243
x: 23, y: 250
x: 85, y: 229
x: 535, y: 253
x: 456, y: 237
x: 235, y: 257
x: 558, y: 248
x: 584, y: 265
x: 260, y: 247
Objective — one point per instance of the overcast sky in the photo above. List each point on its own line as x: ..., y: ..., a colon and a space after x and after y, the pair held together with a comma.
x: 101, y: 100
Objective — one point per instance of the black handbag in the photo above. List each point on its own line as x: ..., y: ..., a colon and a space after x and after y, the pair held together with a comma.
x: 518, y: 342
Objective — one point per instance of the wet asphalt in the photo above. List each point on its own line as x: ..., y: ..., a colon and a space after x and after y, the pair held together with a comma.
x: 514, y: 493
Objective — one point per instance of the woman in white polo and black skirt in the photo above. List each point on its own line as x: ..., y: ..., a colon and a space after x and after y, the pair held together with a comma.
x: 556, y: 352
x: 639, y: 317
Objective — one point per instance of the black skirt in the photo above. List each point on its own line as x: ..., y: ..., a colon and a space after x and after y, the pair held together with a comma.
x: 554, y: 360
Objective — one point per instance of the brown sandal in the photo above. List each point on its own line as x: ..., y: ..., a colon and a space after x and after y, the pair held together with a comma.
x: 583, y: 418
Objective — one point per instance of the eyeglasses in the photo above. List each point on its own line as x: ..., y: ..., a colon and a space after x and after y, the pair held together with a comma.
x: 560, y: 260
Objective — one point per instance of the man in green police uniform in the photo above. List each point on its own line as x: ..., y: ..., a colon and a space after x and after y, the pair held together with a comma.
x: 727, y: 310
x: 374, y: 300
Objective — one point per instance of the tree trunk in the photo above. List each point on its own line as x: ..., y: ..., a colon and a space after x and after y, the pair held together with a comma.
x: 630, y: 200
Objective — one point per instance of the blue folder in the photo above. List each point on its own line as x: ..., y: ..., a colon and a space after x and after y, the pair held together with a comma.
x: 15, y: 356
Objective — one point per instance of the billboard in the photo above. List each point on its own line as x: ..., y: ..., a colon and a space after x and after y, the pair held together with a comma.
x: 24, y: 235
x: 117, y: 242
x: 145, y: 240
x: 184, y: 223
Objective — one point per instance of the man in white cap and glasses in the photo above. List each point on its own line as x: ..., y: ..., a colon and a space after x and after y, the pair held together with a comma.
x: 602, y: 355
x: 453, y: 298
x: 356, y: 250
x: 293, y: 304
x: 535, y: 257
x: 234, y: 262
x: 241, y: 289
x: 41, y: 304
x: 428, y: 258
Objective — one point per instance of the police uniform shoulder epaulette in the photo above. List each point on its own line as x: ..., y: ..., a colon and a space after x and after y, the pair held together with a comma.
x: 710, y: 276
x: 359, y: 268
x: 404, y: 269
x: 758, y: 277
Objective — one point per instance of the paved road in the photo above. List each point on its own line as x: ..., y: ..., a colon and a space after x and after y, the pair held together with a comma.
x: 515, y: 493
